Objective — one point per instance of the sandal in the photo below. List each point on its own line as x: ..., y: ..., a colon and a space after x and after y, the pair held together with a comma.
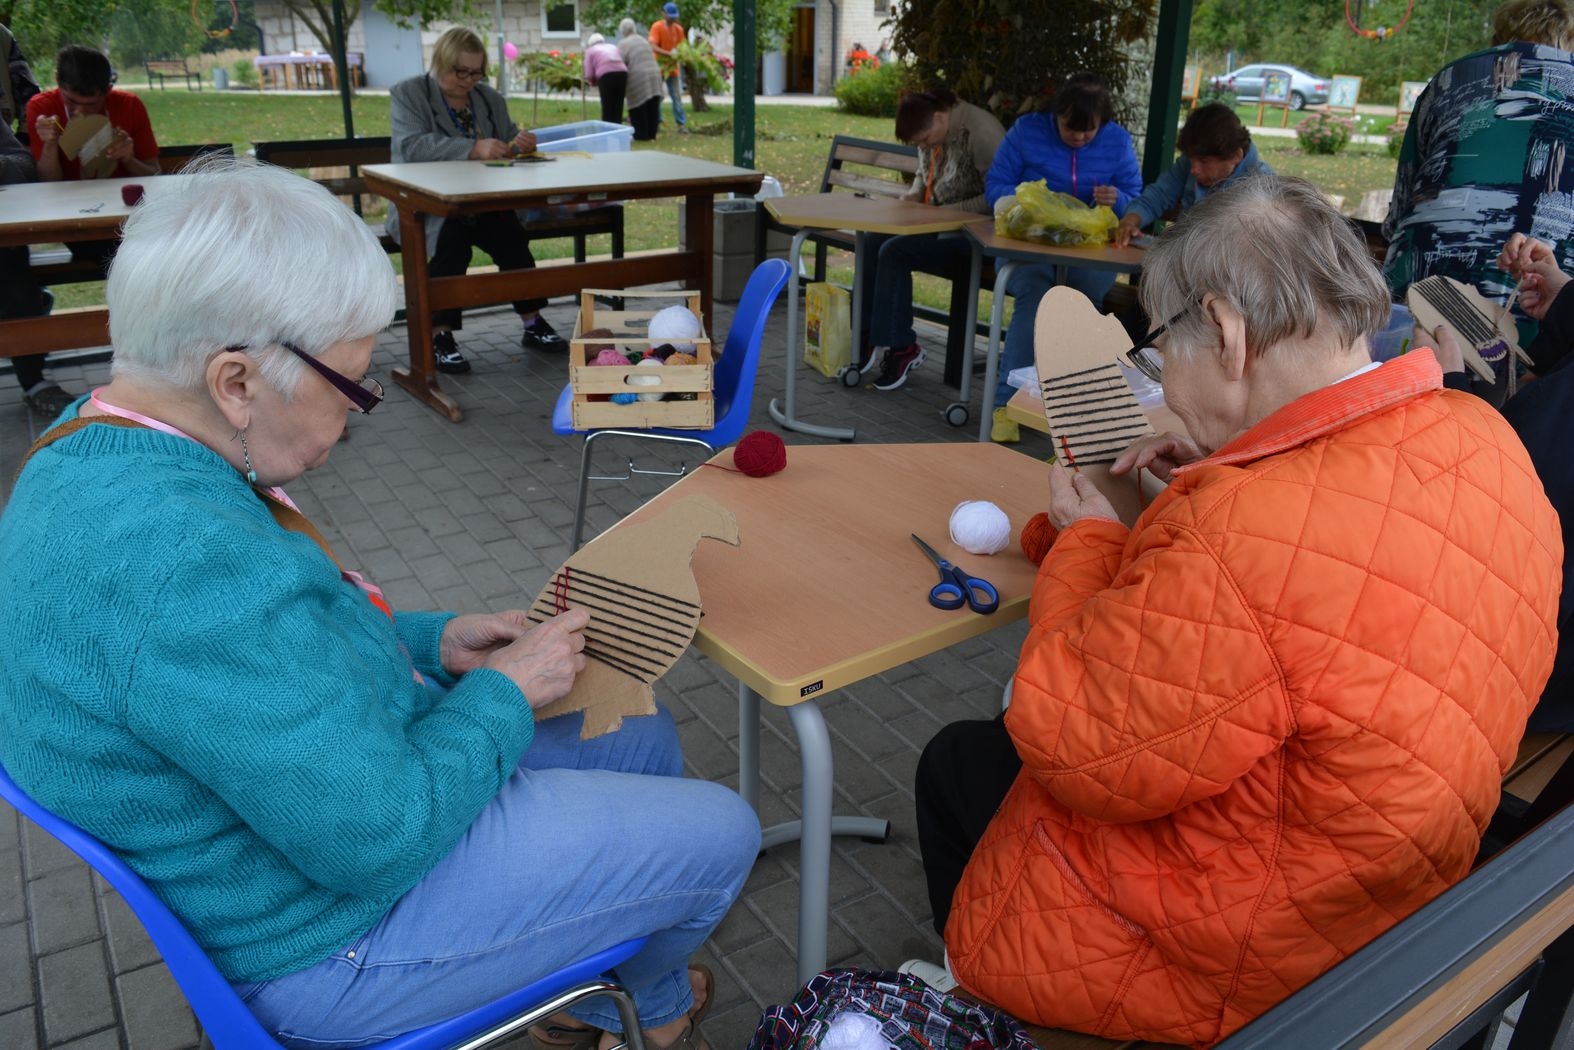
x: 709, y: 983
x: 688, y: 1039
x: 550, y: 1035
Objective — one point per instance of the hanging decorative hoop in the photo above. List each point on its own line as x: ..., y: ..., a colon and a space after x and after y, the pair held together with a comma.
x: 217, y: 34
x: 1381, y: 32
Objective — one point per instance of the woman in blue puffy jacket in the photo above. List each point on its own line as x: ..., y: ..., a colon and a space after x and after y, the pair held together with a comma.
x: 1075, y: 146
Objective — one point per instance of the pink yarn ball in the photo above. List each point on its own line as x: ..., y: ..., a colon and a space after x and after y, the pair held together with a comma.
x: 611, y: 357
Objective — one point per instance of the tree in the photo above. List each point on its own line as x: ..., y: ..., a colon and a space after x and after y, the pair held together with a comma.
x: 773, y: 18
x: 150, y: 29
x: 41, y: 29
x: 1008, y: 55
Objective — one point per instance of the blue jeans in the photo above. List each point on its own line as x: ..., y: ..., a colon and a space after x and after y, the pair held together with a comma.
x: 675, y: 92
x: 888, y: 280
x: 590, y: 843
x: 1027, y: 286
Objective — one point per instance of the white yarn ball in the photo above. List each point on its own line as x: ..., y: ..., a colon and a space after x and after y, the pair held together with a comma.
x: 674, y: 325
x: 980, y: 527
x: 638, y: 380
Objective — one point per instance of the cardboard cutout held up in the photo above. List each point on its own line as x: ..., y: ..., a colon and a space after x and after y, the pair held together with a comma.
x: 638, y: 585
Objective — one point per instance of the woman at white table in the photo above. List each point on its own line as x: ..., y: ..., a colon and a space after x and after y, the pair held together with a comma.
x: 956, y: 143
x: 451, y: 113
x: 353, y: 810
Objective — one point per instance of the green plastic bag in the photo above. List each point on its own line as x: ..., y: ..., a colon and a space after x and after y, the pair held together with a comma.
x: 1037, y: 213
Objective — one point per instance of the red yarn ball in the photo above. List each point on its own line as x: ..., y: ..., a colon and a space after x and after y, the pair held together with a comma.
x: 1037, y: 537
x: 760, y: 454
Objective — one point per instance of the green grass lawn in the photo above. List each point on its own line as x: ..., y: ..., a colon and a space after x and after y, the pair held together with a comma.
x: 791, y: 143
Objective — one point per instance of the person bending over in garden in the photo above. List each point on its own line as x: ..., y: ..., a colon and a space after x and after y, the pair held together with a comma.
x: 644, y: 81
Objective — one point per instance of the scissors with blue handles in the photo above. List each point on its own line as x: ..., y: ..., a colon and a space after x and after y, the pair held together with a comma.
x: 956, y: 588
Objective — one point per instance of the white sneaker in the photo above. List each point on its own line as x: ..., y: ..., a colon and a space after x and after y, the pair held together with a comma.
x: 937, y: 977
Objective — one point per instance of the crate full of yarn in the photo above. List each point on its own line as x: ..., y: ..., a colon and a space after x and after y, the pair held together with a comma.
x: 649, y: 364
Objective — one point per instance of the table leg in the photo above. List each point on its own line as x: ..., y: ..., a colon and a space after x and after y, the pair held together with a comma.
x: 420, y: 379
x: 992, y: 358
x: 699, y: 234
x: 783, y: 415
x: 749, y: 746
x: 975, y: 277
x: 860, y: 246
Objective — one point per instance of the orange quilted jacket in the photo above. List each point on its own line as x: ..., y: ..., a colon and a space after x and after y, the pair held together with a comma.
x: 1268, y: 722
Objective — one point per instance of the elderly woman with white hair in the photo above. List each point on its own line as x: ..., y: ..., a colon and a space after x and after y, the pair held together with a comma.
x: 644, y: 82
x: 606, y: 71
x: 1268, y: 721
x: 352, y: 809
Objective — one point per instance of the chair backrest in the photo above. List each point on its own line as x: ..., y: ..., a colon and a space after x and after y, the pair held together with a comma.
x: 225, y: 1019
x: 734, y: 380
x: 173, y: 158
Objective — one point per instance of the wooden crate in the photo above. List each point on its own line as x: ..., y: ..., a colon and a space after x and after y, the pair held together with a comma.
x: 629, y: 332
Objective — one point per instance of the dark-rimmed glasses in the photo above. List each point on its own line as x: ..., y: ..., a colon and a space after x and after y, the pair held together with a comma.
x: 365, y: 395
x: 469, y: 74
x: 1142, y: 355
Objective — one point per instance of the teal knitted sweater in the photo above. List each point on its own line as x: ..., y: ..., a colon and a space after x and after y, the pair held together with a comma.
x: 201, y: 689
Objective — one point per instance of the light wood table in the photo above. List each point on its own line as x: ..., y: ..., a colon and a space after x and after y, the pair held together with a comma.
x: 827, y: 589
x: 457, y: 188
x: 861, y: 216
x: 1009, y: 253
x: 64, y: 212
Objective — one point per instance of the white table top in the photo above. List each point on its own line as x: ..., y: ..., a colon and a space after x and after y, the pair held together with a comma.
x: 609, y: 175
x: 31, y: 210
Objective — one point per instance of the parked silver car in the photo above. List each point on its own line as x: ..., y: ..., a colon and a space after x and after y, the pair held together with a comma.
x: 1306, y: 89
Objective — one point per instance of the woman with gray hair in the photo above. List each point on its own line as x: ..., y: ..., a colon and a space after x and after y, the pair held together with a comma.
x: 451, y: 113
x: 606, y: 72
x: 644, y: 83
x: 352, y: 810
x: 1268, y: 721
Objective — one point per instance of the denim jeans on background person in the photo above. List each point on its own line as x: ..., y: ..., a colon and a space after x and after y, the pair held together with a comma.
x: 675, y: 92
x: 1027, y: 286
x: 888, y: 284
x: 574, y: 855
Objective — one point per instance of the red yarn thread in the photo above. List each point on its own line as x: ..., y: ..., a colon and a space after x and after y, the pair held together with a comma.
x: 560, y: 591
x: 759, y: 455
x: 1037, y: 537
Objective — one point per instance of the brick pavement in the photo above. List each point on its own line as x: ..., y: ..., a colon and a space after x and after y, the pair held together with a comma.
x: 475, y: 516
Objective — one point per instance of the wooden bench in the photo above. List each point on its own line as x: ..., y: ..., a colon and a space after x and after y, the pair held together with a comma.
x: 56, y: 266
x: 1443, y: 977
x: 162, y: 69
x: 326, y: 157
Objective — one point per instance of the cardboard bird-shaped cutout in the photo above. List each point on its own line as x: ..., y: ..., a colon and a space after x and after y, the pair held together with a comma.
x: 637, y: 583
x: 1093, y: 414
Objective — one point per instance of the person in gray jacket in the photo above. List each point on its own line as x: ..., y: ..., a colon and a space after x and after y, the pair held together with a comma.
x: 451, y: 113
x: 644, y: 84
x: 1216, y: 151
x: 20, y: 293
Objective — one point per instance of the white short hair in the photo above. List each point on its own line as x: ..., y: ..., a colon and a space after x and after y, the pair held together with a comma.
x: 233, y: 253
x: 626, y: 27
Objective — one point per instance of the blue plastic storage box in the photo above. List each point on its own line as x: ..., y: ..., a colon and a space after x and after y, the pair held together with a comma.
x: 588, y: 136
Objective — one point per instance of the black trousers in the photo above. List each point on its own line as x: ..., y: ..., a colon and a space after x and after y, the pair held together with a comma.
x: 498, y: 233
x: 612, y: 86
x: 646, y: 117
x: 21, y: 296
x: 963, y: 776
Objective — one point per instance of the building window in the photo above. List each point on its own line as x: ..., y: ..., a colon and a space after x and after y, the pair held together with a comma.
x: 882, y: 7
x: 560, y: 19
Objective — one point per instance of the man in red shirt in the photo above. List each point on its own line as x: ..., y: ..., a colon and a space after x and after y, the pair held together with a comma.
x: 665, y: 36
x: 85, y: 90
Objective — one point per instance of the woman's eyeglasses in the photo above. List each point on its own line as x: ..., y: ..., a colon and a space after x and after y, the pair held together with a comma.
x: 1144, y: 358
x: 365, y: 395
x: 469, y: 74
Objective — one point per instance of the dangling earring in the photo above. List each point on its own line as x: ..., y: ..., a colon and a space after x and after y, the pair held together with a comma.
x: 245, y: 453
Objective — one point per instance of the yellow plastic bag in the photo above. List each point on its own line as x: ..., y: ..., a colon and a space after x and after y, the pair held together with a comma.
x: 1037, y: 213
x: 828, y: 323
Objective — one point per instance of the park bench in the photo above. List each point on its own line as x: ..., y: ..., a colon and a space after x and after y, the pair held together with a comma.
x: 162, y: 69
x: 336, y: 163
x: 1444, y: 976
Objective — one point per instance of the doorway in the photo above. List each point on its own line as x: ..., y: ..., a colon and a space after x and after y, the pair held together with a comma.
x: 800, y: 51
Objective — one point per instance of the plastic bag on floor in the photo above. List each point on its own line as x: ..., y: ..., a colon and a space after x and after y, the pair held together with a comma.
x: 1037, y: 213
x: 910, y: 1014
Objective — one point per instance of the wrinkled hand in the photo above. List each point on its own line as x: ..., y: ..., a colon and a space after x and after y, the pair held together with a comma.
x: 48, y: 129
x: 1536, y: 267
x: 489, y: 149
x: 1129, y: 227
x: 525, y: 142
x: 1160, y: 454
x: 1105, y: 195
x: 120, y: 146
x: 1519, y: 251
x: 1444, y: 343
x: 544, y: 661
x: 1073, y: 496
x: 468, y: 640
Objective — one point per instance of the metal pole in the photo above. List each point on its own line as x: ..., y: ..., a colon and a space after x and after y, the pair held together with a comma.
x: 744, y: 45
x: 502, y: 59
x: 341, y: 62
x: 1169, y: 64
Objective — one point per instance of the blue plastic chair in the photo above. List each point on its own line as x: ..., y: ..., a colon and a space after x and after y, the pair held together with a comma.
x: 733, y: 390
x: 229, y: 1024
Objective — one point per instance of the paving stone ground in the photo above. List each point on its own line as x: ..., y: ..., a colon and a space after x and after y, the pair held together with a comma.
x: 475, y: 516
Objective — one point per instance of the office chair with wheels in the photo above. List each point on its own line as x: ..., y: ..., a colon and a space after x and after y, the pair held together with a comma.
x: 733, y: 390
x: 229, y: 1025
